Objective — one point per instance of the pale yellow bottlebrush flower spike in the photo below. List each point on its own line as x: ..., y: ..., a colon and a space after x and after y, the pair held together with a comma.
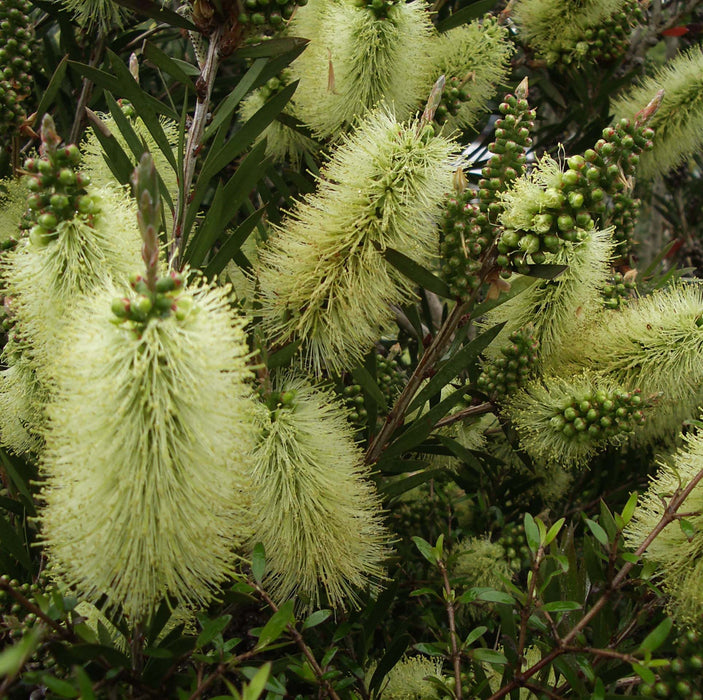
x: 680, y: 559
x: 147, y: 452
x: 407, y: 680
x: 101, y: 15
x: 315, y: 510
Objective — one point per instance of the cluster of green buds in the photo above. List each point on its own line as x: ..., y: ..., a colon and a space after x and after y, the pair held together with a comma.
x: 683, y: 677
x: 274, y: 85
x: 599, y: 415
x: 57, y: 189
x: 618, y: 290
x: 468, y: 227
x: 578, y: 199
x: 16, y: 618
x: 16, y: 48
x: 512, y: 540
x: 272, y: 14
x: 160, y: 302
x: 504, y: 375
x: 380, y: 8
x: 455, y: 93
x: 277, y: 401
x: 390, y: 379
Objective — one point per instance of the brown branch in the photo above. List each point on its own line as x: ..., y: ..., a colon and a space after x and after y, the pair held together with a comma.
x: 476, y: 410
x: 453, y: 637
x: 86, y: 91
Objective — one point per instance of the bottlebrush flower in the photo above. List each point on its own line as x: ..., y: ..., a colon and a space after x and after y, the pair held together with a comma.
x: 678, y: 122
x: 323, y: 278
x: 311, y: 492
x: 147, y: 450
x: 572, y: 419
x: 478, y: 55
x: 408, y: 679
x: 678, y: 555
x: 558, y: 308
x: 102, y: 15
x: 357, y: 60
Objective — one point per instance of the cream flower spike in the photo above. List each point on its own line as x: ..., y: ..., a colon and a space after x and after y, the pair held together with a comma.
x: 311, y: 491
x: 145, y: 485
x: 323, y: 277
x: 358, y: 58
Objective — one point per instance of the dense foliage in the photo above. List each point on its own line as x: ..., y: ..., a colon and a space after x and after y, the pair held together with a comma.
x: 351, y: 349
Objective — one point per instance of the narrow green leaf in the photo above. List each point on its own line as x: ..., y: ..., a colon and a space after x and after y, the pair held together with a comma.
x: 316, y: 618
x: 554, y: 531
x: 232, y: 245
x: 545, y: 272
x: 211, y: 628
x: 85, y: 685
x: 396, y: 487
x: 430, y: 649
x: 561, y: 606
x: 466, y: 456
x: 456, y: 364
x: 417, y: 273
x: 20, y: 473
x: 167, y: 64
x: 490, y: 595
x: 62, y: 688
x: 52, y: 89
x: 393, y: 654
x: 531, y: 533
x: 257, y: 684
x: 517, y: 286
x: 274, y: 627
x: 363, y: 377
x: 687, y: 528
x: 272, y: 47
x: 646, y: 674
x: 598, y: 532
x: 283, y: 356
x: 114, y: 156
x: 490, y: 656
x: 13, y: 658
x: 657, y: 636
x: 475, y: 634
x: 425, y: 548
x: 629, y: 508
x: 466, y: 14
x: 258, y: 562
x: 156, y: 11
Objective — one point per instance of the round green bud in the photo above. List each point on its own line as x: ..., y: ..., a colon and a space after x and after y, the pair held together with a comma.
x: 120, y: 307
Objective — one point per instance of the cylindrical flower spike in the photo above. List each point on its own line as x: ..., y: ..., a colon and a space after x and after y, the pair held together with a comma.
x: 102, y: 15
x: 558, y: 308
x: 678, y: 122
x: 408, y: 679
x: 679, y: 554
x: 356, y: 60
x: 571, y: 420
x: 146, y: 454
x: 324, y: 278
x: 311, y: 491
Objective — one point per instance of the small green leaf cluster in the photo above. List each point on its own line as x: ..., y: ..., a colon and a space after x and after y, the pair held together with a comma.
x: 618, y: 290
x: 683, y: 677
x: 506, y: 374
x: 16, y: 47
x: 57, y: 190
x: 271, y: 13
x: 160, y: 303
x: 379, y: 8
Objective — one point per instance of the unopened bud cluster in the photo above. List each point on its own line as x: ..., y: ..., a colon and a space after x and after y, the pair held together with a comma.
x: 16, y: 47
x: 16, y: 619
x: 506, y: 374
x: 683, y: 677
x: 512, y: 540
x: 274, y: 85
x: 599, y: 415
x: 164, y: 300
x: 469, y: 228
x: 57, y: 190
x: 454, y: 95
x: 594, y: 187
x: 268, y: 13
x: 618, y: 291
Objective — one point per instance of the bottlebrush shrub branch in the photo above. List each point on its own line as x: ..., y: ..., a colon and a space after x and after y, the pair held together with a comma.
x: 324, y: 279
x: 149, y: 436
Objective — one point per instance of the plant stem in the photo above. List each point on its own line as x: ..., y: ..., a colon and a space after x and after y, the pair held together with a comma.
x: 86, y: 90
x: 477, y: 410
x: 203, y: 86
x: 456, y: 654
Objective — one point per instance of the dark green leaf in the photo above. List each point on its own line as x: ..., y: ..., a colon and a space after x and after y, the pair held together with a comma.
x: 598, y: 532
x: 545, y: 272
x: 417, y: 273
x: 531, y: 532
x: 85, y: 685
x: 657, y: 636
x: 466, y: 456
x: 211, y: 628
x: 456, y: 364
x: 393, y: 654
x: 116, y: 159
x: 12, y: 658
x: 489, y: 656
x: 233, y: 243
x: 646, y: 674
x: 517, y: 286
x: 396, y: 487
x: 363, y: 377
x: 561, y: 606
x: 274, y: 627
x: 272, y: 47
x: 490, y: 595
x: 158, y: 12
x: 168, y: 64
x: 425, y: 548
x: 62, y: 688
x: 629, y: 508
x: 316, y: 618
x: 258, y: 562
x: 475, y: 634
x: 52, y: 89
x: 20, y: 473
x: 687, y: 528
x: 283, y: 356
x: 430, y: 649
x: 13, y: 544
x: 466, y: 14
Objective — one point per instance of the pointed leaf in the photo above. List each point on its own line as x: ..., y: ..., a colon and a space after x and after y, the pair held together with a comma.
x: 316, y: 618
x: 258, y: 562
x: 598, y: 532
x: 531, y: 533
x: 211, y: 628
x: 466, y: 14
x: 156, y: 11
x: 425, y: 548
x: 418, y: 274
x: 657, y: 636
x: 52, y: 89
x: 363, y: 377
x: 273, y: 629
x: 393, y: 654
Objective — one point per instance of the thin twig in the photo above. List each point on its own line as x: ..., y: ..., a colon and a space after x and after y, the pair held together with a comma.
x: 453, y: 637
x: 476, y: 410
x: 203, y: 85
x: 86, y: 90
